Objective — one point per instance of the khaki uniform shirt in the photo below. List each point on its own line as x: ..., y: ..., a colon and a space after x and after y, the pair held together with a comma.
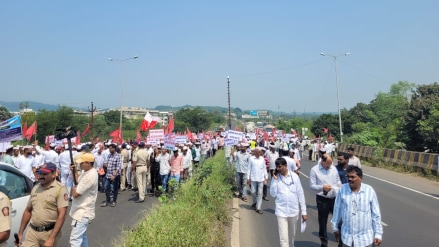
x: 141, y: 156
x: 125, y: 156
x: 5, y: 216
x: 45, y: 202
x: 84, y: 205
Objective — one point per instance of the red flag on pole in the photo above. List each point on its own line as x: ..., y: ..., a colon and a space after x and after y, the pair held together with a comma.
x: 171, y: 125
x: 87, y: 129
x: 78, y: 138
x: 32, y: 130
x: 117, y: 136
x: 24, y: 129
x: 148, y: 122
x: 325, y: 130
x: 189, y: 134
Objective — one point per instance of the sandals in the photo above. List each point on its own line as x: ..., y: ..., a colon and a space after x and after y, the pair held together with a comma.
x: 259, y: 211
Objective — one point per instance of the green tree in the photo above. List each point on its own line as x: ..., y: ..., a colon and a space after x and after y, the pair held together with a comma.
x: 328, y: 121
x: 4, y: 113
x: 421, y: 113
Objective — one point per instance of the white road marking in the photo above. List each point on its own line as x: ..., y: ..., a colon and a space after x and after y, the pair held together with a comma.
x: 384, y: 224
x: 401, y: 186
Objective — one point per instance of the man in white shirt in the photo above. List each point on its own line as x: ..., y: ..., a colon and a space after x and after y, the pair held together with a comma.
x: 257, y: 176
x: 84, y: 198
x: 187, y: 163
x: 291, y: 164
x: 65, y: 172
x: 49, y: 156
x: 287, y: 191
x: 325, y: 181
x: 272, y: 155
x: 353, y: 160
x: 26, y: 163
x: 242, y: 159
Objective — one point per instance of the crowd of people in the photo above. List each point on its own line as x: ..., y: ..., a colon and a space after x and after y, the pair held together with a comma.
x: 147, y: 169
x: 339, y: 189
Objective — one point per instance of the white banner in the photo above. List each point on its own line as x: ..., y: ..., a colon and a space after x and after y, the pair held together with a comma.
x: 156, y: 134
x: 3, y: 146
x: 235, y: 135
x: 181, y: 139
x: 170, y: 142
x: 230, y: 142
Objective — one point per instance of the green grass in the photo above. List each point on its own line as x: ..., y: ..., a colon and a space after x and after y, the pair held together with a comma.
x: 194, y: 215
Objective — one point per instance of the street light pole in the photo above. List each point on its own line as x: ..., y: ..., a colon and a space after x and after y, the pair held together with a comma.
x: 229, y: 121
x: 122, y: 62
x: 338, y: 96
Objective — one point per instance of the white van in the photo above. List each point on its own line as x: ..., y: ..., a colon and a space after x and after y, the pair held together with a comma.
x: 17, y: 187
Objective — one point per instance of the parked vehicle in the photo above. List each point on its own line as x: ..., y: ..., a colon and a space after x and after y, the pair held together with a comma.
x: 17, y: 187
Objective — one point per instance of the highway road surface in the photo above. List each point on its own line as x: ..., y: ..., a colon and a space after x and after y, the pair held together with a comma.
x: 111, y: 221
x: 409, y: 209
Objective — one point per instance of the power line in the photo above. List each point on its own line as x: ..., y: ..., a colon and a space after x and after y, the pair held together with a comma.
x: 277, y: 70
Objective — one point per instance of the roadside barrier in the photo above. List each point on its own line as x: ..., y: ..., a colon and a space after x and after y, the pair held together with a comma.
x: 427, y: 161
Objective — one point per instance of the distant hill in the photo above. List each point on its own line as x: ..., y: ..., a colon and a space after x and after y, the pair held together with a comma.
x: 36, y: 106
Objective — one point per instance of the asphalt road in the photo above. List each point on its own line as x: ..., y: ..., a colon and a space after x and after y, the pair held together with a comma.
x: 110, y: 222
x: 409, y: 209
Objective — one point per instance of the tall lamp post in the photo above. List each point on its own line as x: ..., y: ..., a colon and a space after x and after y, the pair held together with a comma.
x: 336, y: 82
x: 229, y: 120
x: 122, y: 62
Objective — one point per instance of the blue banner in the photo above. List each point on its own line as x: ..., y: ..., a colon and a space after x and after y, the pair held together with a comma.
x: 10, y: 130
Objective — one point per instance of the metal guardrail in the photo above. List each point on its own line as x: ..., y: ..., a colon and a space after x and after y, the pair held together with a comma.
x: 402, y: 157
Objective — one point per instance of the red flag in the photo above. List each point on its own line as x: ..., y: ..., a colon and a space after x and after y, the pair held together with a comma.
x: 293, y: 131
x: 189, y: 134
x: 87, y: 129
x: 78, y: 138
x: 148, y: 122
x: 171, y: 125
x: 24, y: 129
x: 138, y: 136
x: 32, y: 130
x: 47, y: 143
x: 117, y: 136
x: 325, y: 130
x: 265, y: 135
x: 331, y: 138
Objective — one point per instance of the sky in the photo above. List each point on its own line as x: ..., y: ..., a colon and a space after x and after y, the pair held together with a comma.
x: 56, y: 52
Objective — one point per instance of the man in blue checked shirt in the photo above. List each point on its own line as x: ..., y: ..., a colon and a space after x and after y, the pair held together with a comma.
x: 357, y: 206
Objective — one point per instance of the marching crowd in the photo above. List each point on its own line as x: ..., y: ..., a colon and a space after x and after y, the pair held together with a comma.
x: 146, y: 168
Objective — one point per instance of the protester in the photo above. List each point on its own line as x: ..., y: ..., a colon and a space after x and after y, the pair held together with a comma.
x: 84, y: 195
x: 242, y: 159
x: 256, y: 177
x: 287, y: 191
x: 165, y: 167
x: 357, y: 205
x: 112, y: 176
x: 26, y: 163
x: 324, y: 180
x: 45, y: 211
x: 187, y: 163
x: 176, y: 162
x: 353, y: 160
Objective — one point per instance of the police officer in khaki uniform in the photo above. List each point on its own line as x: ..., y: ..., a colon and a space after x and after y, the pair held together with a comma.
x: 5, y: 219
x: 46, y: 210
x: 134, y: 146
x: 140, y: 166
x: 125, y: 158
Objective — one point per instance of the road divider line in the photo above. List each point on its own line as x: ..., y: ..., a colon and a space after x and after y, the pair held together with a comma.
x: 304, y: 174
x: 401, y: 186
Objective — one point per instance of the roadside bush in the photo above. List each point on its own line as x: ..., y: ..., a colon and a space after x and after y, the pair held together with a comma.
x: 196, y: 216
